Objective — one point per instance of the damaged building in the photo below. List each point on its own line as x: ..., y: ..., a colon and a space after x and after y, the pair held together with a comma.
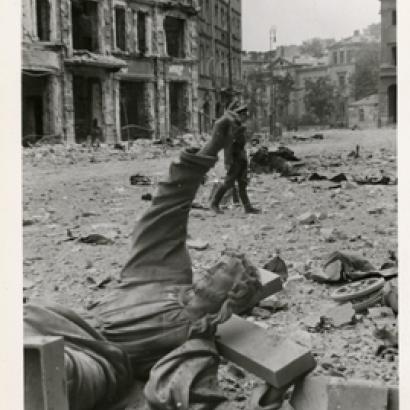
x: 220, y: 48
x: 126, y: 68
x: 388, y: 63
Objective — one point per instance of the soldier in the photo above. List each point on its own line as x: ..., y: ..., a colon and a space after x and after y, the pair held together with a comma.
x: 236, y: 161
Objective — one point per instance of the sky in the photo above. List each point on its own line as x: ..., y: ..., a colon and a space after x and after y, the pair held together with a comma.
x: 299, y: 20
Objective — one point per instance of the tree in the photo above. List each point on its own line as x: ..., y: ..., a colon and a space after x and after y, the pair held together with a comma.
x: 319, y: 98
x: 313, y: 47
x: 364, y: 80
x: 316, y: 47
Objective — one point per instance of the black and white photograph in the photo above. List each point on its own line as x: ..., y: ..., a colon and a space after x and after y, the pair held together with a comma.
x: 207, y: 205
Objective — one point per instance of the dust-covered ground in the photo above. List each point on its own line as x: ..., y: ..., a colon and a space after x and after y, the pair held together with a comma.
x: 87, y: 192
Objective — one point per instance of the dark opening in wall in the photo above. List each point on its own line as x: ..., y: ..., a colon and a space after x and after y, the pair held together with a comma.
x: 34, y: 106
x: 85, y: 25
x: 142, y: 30
x: 120, y: 28
x: 394, y: 55
x: 361, y: 114
x: 178, y: 107
x: 394, y: 17
x: 87, y: 107
x: 43, y: 20
x: 174, y: 32
x: 133, y: 110
x: 392, y: 102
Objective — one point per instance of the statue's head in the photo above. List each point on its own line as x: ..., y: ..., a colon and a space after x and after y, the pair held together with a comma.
x: 227, y: 287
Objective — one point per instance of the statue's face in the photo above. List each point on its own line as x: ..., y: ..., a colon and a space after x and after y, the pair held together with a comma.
x: 212, y: 291
x: 225, y: 273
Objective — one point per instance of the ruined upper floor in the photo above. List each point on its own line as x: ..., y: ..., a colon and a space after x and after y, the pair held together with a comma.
x: 161, y: 28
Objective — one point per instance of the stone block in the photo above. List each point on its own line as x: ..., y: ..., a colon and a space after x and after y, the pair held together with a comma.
x: 271, y: 283
x: 44, y: 374
x: 327, y: 393
x: 278, y: 362
x: 393, y: 399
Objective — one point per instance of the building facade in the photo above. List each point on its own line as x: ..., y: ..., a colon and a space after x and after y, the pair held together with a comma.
x: 388, y: 63
x: 220, y: 47
x: 338, y: 65
x: 128, y: 68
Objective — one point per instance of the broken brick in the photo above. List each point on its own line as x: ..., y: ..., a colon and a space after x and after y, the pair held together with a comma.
x: 248, y: 346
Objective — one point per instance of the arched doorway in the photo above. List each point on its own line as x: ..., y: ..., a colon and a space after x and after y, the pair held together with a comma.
x: 392, y: 101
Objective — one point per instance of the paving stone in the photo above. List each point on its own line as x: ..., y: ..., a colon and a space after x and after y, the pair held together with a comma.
x: 279, y: 362
x: 327, y: 393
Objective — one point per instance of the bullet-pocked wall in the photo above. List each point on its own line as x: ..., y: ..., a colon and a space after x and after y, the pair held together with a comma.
x: 118, y: 64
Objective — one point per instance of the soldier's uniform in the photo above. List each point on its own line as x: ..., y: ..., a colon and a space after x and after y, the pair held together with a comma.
x: 236, y: 164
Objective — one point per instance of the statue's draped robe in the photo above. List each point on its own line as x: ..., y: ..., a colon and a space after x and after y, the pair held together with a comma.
x: 143, y: 322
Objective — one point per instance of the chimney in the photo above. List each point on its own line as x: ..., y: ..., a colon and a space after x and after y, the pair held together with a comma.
x: 356, y: 33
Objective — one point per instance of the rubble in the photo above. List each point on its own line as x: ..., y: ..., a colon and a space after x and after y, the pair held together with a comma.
x: 265, y: 161
x: 139, y: 179
x: 341, y: 315
x: 197, y: 244
x: 277, y: 265
x: 75, y: 184
x: 96, y: 239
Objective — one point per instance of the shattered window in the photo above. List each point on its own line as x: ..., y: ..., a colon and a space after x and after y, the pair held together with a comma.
x: 342, y: 79
x: 141, y: 27
x: 43, y: 20
x: 174, y: 31
x: 361, y: 114
x: 342, y: 57
x: 85, y: 25
x: 120, y: 28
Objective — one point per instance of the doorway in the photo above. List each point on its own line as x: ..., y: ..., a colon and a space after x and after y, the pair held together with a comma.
x: 34, y: 108
x: 178, y: 107
x: 87, y: 105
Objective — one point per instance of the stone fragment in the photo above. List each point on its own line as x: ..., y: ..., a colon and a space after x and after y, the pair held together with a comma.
x: 327, y: 393
x: 260, y: 313
x: 197, y: 244
x: 380, y: 312
x: 308, y: 218
x: 251, y: 348
x: 341, y: 315
x: 44, y: 374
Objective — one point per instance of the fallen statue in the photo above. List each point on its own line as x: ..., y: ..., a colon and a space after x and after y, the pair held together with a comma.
x: 157, y: 325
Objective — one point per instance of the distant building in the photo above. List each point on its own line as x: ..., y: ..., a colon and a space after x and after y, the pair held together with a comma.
x: 364, y: 113
x: 220, y: 48
x: 341, y: 66
x: 388, y: 63
x: 338, y: 64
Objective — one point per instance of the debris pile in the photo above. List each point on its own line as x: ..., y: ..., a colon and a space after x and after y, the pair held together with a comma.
x: 265, y: 161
